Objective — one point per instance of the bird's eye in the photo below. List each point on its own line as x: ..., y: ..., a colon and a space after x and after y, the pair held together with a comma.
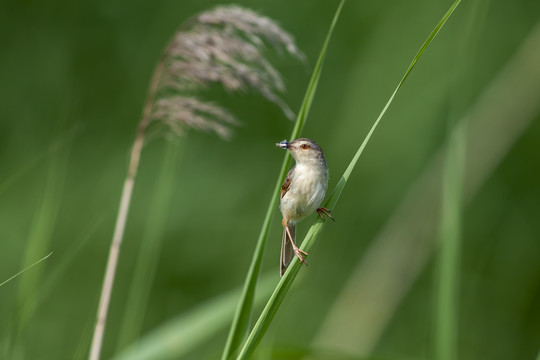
x: 304, y: 146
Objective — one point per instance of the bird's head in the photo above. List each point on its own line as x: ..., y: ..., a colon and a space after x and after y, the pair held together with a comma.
x: 303, y: 150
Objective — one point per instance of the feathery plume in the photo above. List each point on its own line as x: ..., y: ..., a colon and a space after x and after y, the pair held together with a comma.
x: 221, y: 46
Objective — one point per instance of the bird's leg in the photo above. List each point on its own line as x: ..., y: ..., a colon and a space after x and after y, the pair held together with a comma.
x: 325, y: 211
x: 296, y: 249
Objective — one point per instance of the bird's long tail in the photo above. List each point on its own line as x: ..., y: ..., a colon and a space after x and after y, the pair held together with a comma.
x: 287, y: 252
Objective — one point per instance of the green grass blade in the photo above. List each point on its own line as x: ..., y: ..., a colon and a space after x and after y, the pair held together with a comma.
x: 150, y: 248
x: 283, y: 286
x: 341, y: 184
x: 240, y: 325
x: 402, y: 249
x: 316, y: 353
x: 187, y: 332
x: 42, y: 228
x: 450, y: 234
x: 65, y: 258
x: 25, y: 269
x: 314, y: 81
x: 81, y: 351
x: 63, y: 140
x: 450, y: 230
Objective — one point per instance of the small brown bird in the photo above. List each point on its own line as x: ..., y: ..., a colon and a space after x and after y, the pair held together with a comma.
x: 302, y: 193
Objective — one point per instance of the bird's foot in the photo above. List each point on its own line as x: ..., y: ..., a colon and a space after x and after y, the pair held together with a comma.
x: 326, y: 212
x: 296, y: 250
x: 299, y: 253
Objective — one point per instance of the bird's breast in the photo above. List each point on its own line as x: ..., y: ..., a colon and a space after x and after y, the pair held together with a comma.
x: 306, y: 193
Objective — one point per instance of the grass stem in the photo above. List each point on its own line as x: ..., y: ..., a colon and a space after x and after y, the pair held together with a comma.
x: 120, y: 226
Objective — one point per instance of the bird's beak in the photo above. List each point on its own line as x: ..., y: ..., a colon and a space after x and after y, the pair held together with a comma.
x: 284, y: 144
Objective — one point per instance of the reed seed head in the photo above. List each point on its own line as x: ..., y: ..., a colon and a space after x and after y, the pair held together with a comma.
x: 224, y: 46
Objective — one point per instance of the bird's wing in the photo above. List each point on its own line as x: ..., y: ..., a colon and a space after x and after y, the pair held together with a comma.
x: 287, y: 183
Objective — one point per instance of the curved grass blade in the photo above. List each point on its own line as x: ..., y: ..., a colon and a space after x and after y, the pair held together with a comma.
x: 283, y: 286
x: 240, y: 325
x: 180, y: 335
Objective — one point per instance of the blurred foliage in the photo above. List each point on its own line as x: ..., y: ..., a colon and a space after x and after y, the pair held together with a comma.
x: 73, y: 80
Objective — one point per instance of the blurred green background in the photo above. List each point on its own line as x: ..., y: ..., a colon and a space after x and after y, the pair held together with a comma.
x: 73, y: 79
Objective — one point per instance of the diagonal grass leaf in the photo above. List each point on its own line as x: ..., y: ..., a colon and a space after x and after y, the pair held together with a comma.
x: 25, y: 269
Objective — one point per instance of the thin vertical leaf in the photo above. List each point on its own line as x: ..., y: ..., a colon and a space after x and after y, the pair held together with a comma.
x: 151, y: 244
x: 450, y: 230
x: 240, y: 324
x: 42, y: 228
x: 450, y: 234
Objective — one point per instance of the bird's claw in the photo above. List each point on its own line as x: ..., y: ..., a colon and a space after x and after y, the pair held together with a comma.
x: 326, y: 212
x: 299, y: 253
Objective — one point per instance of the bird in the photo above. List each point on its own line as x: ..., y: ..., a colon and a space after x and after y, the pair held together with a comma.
x: 302, y: 193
